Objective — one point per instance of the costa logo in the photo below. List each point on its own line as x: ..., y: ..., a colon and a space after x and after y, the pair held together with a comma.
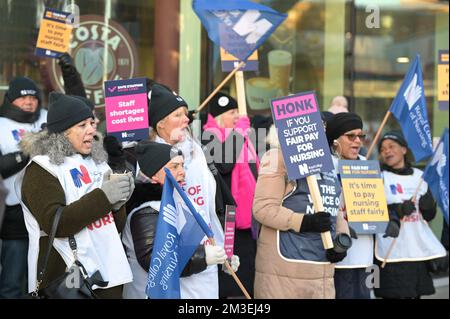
x: 101, y: 51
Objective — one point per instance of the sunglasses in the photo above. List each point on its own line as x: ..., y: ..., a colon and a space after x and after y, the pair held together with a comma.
x: 352, y: 137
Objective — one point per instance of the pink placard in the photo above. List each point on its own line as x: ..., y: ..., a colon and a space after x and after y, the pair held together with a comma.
x: 126, y: 113
x: 230, y: 222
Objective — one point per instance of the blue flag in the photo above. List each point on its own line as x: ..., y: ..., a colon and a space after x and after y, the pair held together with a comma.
x: 178, y: 235
x: 436, y: 174
x: 239, y: 26
x: 410, y: 109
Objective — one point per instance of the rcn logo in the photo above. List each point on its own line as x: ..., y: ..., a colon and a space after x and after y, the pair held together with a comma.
x: 79, y: 177
x: 396, y: 189
x: 18, y: 134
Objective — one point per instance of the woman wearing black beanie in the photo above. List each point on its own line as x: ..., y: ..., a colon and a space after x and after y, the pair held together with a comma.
x: 345, y: 137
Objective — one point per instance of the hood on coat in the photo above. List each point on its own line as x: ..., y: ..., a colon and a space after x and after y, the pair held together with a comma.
x: 57, y: 147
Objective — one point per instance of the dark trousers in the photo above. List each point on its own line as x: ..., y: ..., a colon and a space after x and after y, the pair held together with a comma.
x: 351, y: 283
x: 13, y: 277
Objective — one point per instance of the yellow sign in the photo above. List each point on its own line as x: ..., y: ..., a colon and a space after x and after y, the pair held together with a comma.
x: 365, y: 200
x: 54, y: 34
x: 443, y: 80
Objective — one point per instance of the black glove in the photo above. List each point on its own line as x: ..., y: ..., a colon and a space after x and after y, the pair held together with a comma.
x: 66, y: 63
x: 112, y: 146
x: 335, y: 257
x: 191, y: 116
x: 352, y: 233
x: 392, y: 229
x: 406, y: 208
x: 318, y: 223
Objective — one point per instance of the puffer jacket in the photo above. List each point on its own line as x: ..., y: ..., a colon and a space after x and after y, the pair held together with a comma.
x: 275, y: 276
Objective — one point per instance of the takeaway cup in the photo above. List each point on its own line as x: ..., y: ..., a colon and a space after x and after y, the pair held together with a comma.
x: 280, y: 63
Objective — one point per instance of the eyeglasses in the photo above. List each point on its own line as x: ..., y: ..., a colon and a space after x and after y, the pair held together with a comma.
x: 352, y: 137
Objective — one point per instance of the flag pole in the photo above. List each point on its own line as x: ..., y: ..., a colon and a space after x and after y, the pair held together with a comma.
x: 240, y: 91
x: 233, y: 274
x: 220, y: 86
x: 377, y: 136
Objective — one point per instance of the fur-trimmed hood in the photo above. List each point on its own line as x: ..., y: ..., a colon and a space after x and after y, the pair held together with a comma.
x: 57, y: 147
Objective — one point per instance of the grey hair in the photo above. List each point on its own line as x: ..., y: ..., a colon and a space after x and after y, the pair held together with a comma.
x: 57, y: 147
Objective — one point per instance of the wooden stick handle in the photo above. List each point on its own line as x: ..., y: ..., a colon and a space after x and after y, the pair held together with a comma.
x: 417, y: 190
x: 318, y: 207
x: 377, y: 136
x: 233, y: 274
x: 220, y: 86
x: 391, y: 247
x: 240, y: 90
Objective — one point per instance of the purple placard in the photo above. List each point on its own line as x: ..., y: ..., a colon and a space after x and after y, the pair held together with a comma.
x: 126, y: 109
x: 302, y: 135
x: 230, y: 222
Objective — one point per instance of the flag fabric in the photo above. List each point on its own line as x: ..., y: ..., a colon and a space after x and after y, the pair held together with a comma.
x: 239, y: 26
x: 410, y: 109
x: 436, y: 174
x: 178, y: 235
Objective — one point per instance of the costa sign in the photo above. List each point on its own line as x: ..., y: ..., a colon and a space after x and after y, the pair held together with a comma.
x: 102, y: 52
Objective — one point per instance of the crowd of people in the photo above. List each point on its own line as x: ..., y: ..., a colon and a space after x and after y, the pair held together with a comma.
x: 54, y: 159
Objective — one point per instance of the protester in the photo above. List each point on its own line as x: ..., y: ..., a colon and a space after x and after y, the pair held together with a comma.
x: 345, y: 137
x: 20, y: 112
x: 169, y: 122
x: 339, y: 104
x: 405, y: 274
x: 140, y: 229
x: 68, y: 169
x: 226, y: 136
x: 291, y: 261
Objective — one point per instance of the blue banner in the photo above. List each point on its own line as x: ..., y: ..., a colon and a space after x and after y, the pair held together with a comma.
x: 410, y: 109
x: 178, y: 235
x: 239, y: 26
x: 436, y: 174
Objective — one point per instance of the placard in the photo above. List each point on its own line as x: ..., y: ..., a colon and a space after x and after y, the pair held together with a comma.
x: 126, y: 109
x: 302, y: 135
x: 443, y: 80
x: 230, y: 222
x: 229, y: 62
x: 365, y: 200
x: 54, y: 34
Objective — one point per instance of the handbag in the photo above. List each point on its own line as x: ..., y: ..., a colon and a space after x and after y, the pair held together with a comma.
x: 75, y: 283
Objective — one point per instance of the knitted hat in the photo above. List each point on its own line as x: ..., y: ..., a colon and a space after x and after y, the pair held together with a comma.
x: 22, y: 86
x: 153, y: 156
x: 64, y: 111
x: 396, y: 136
x: 221, y: 103
x: 86, y: 101
x: 341, y: 123
x: 161, y: 103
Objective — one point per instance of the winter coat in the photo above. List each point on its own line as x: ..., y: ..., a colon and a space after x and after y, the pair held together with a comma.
x: 42, y: 193
x: 275, y: 276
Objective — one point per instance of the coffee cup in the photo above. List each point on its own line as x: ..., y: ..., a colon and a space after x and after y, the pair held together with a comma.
x: 342, y: 242
x: 280, y: 63
x: 260, y: 91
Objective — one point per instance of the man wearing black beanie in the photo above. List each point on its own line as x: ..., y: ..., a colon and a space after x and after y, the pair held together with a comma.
x: 20, y: 113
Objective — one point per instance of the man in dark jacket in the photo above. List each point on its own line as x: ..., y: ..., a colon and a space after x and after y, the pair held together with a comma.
x: 2, y: 201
